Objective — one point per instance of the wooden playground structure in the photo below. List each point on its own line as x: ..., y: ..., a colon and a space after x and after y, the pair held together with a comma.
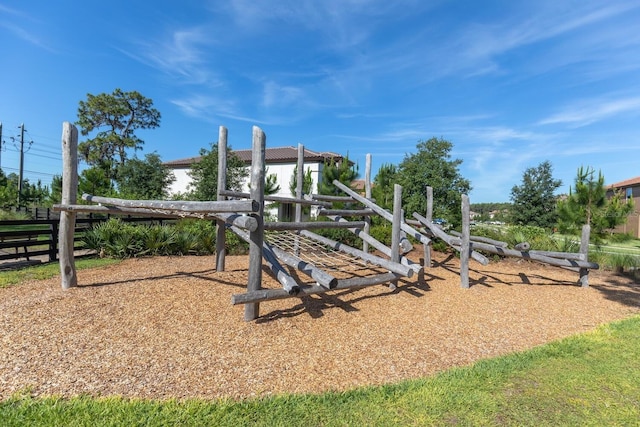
x: 289, y: 248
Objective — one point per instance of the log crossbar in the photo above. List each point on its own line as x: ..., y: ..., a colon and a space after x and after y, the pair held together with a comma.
x: 228, y: 206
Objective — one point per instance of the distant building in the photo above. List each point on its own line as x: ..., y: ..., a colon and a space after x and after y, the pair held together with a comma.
x: 631, y: 190
x: 280, y: 161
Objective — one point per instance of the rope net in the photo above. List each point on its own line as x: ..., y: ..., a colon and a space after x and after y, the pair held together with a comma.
x: 318, y: 254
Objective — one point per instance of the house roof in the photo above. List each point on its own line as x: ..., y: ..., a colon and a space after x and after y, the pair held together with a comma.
x: 288, y: 154
x: 626, y: 183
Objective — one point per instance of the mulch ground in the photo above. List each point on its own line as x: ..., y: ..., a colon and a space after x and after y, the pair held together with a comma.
x: 165, y: 328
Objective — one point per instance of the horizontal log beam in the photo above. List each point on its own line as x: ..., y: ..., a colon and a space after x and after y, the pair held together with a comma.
x: 567, y: 255
x: 243, y: 221
x: 280, y: 199
x: 310, y: 225
x: 230, y: 206
x: 533, y: 256
x: 305, y: 290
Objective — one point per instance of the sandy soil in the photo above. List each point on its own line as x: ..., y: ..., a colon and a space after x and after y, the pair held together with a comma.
x: 165, y: 327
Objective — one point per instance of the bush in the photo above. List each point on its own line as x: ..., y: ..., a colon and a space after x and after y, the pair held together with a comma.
x: 620, y: 237
x: 381, y: 233
x: 117, y: 239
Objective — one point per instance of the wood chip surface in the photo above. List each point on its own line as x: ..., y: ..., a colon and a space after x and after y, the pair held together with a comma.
x: 164, y: 327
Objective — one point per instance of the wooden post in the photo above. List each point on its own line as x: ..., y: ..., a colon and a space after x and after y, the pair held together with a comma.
x: 584, y: 250
x: 222, y: 185
x: 299, y: 190
x: 395, y: 228
x: 256, y: 192
x: 428, y: 246
x: 367, y: 194
x: 69, y: 196
x: 465, y: 247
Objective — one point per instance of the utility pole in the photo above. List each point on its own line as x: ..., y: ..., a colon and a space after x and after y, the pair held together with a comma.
x: 21, y: 162
x: 1, y: 142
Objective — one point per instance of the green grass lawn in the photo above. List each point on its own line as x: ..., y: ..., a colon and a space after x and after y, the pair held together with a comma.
x: 46, y: 271
x: 592, y: 379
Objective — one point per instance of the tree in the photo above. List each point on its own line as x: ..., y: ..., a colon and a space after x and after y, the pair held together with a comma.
x: 383, y: 183
x: 343, y: 171
x: 587, y: 204
x: 144, y: 179
x: 56, y: 190
x: 205, y: 173
x: 307, y: 181
x: 116, y: 117
x: 534, y: 202
x: 271, y: 185
x: 432, y: 166
x: 8, y: 189
x: 94, y: 181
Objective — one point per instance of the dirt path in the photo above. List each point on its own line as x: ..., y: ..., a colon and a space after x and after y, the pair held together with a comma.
x: 165, y: 327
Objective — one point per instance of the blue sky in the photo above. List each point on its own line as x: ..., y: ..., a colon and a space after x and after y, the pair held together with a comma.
x: 510, y: 83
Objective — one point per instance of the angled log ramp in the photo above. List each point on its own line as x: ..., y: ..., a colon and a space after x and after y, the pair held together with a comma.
x: 454, y: 242
x: 288, y: 283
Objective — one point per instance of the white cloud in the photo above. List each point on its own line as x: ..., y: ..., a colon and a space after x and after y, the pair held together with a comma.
x: 587, y: 112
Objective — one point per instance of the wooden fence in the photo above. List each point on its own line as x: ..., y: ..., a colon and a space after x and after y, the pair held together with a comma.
x: 31, y: 239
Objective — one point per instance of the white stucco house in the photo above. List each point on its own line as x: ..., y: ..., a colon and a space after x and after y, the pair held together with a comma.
x: 280, y: 161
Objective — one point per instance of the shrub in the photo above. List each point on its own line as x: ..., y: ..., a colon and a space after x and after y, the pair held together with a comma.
x: 620, y: 237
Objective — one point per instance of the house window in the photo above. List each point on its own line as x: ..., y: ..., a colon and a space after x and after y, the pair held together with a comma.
x: 629, y: 193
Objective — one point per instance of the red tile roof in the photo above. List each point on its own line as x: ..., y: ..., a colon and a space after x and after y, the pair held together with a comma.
x: 272, y: 155
x: 626, y: 183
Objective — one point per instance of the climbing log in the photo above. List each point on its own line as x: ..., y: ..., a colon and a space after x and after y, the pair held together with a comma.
x: 230, y: 206
x: 389, y: 265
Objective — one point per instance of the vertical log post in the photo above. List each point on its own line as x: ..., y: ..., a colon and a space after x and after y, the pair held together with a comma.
x: 256, y: 192
x: 69, y: 196
x: 395, y: 228
x: 299, y: 190
x: 429, y: 216
x: 367, y: 194
x: 584, y: 249
x: 222, y: 185
x: 465, y: 247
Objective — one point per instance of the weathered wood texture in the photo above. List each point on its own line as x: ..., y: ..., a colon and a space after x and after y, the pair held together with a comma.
x: 310, y: 225
x: 281, y: 199
x: 305, y: 290
x: 228, y: 206
x: 288, y: 283
x: 69, y: 277
x: 222, y: 185
x: 584, y: 250
x: 377, y: 244
x: 395, y: 227
x: 242, y: 221
x: 252, y: 310
x: 394, y: 267
x: 367, y: 194
x: 429, y: 216
x: 454, y: 242
x: 464, y: 243
x: 382, y: 212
